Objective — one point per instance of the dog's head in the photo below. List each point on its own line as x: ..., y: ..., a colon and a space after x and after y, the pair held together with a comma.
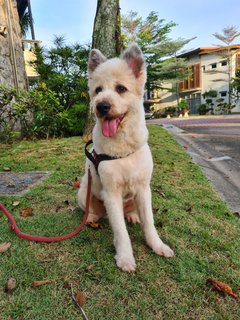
x: 116, y: 87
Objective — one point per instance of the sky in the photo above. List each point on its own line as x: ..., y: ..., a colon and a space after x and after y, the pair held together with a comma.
x: 74, y: 18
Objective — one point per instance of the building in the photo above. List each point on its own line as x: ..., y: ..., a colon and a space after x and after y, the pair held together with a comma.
x: 15, y: 53
x: 210, y: 68
x: 12, y: 66
x: 28, y: 45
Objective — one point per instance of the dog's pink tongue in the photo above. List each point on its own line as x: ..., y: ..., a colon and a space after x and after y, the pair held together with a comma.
x: 109, y: 127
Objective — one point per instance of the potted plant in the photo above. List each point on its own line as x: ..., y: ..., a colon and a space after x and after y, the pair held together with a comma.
x: 183, y: 107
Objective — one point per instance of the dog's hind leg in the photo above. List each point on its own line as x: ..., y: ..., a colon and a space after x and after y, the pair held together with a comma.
x: 143, y: 200
x: 124, y: 254
x: 130, y: 211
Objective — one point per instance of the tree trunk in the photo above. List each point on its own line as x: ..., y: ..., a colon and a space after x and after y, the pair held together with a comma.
x: 107, y: 38
x: 106, y: 30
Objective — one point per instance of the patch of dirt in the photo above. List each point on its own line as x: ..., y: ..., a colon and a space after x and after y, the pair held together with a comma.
x: 18, y: 183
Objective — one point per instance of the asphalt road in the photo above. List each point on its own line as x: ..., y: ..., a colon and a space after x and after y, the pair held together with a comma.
x: 213, y: 142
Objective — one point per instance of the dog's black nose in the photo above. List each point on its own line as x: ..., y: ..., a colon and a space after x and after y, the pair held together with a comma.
x: 103, y: 107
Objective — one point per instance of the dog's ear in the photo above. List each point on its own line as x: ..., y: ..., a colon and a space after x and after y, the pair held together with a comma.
x: 95, y: 58
x: 135, y: 59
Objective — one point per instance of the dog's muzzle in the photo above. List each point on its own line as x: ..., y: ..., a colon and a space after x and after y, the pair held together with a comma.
x: 103, y: 108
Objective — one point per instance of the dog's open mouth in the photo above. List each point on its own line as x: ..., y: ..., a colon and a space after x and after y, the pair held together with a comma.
x: 110, y: 125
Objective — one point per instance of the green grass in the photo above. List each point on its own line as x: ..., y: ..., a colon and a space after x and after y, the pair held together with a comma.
x: 189, y: 216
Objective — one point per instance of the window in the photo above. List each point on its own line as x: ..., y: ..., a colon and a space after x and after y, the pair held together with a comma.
x: 203, y: 68
x: 193, y: 80
x: 213, y: 66
x: 224, y: 63
x: 223, y: 93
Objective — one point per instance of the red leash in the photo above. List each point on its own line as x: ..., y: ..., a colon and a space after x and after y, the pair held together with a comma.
x: 19, y: 233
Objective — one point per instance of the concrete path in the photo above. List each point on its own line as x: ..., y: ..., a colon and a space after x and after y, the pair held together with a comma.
x: 213, y: 142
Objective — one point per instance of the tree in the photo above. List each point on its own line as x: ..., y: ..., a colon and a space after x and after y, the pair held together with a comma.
x: 172, y: 68
x: 24, y: 22
x: 63, y: 72
x: 152, y: 35
x: 63, y: 69
x: 228, y: 36
x: 106, y: 30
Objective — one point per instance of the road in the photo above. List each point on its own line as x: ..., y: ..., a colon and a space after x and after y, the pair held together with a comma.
x: 213, y: 142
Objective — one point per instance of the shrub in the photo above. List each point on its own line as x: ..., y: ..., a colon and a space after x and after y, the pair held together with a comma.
x: 202, y: 109
x: 9, y: 121
x: 38, y: 114
x: 77, y: 116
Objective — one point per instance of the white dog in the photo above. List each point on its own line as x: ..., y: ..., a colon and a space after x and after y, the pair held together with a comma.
x: 122, y: 172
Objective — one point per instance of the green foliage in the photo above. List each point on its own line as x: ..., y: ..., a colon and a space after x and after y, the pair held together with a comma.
x: 183, y: 104
x: 38, y: 113
x: 24, y: 22
x: 56, y: 104
x: 202, y: 109
x: 148, y: 34
x: 63, y: 69
x: 77, y: 118
x: 8, y: 117
x: 223, y: 107
x: 210, y: 94
x: 235, y: 85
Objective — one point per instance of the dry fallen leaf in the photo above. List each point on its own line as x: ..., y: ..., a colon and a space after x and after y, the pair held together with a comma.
x: 94, y: 225
x: 80, y: 298
x: 26, y: 212
x: 7, y: 169
x: 90, y: 267
x: 4, y: 246
x: 222, y: 287
x: 15, y: 203
x: 40, y: 283
x: 160, y: 192
x: 10, y: 285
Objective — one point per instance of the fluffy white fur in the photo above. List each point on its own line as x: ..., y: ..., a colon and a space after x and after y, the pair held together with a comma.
x: 129, y: 176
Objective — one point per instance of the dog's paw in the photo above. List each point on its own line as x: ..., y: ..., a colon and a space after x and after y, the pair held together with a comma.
x: 132, y: 217
x: 125, y: 263
x: 164, y: 250
x: 92, y: 218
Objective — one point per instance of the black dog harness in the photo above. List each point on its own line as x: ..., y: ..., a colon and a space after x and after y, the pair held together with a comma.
x: 97, y: 158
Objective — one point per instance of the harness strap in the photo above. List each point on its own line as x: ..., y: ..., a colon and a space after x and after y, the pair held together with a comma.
x: 97, y: 158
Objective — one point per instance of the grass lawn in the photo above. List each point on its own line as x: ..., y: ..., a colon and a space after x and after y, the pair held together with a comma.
x: 189, y: 216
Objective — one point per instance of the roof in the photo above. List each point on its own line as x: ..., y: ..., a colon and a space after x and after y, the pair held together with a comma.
x: 206, y: 50
x: 21, y: 6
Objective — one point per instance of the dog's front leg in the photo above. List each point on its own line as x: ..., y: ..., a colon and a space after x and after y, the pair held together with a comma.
x: 124, y: 254
x: 144, y: 205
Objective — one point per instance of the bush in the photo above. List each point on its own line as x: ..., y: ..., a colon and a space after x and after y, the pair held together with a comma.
x: 77, y: 116
x: 202, y: 109
x: 9, y: 120
x: 38, y: 114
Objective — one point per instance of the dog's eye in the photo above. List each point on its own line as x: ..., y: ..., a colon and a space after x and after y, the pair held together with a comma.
x: 120, y: 89
x: 98, y: 89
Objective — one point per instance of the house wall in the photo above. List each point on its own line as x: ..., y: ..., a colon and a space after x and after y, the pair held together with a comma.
x: 12, y: 66
x: 215, y: 78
